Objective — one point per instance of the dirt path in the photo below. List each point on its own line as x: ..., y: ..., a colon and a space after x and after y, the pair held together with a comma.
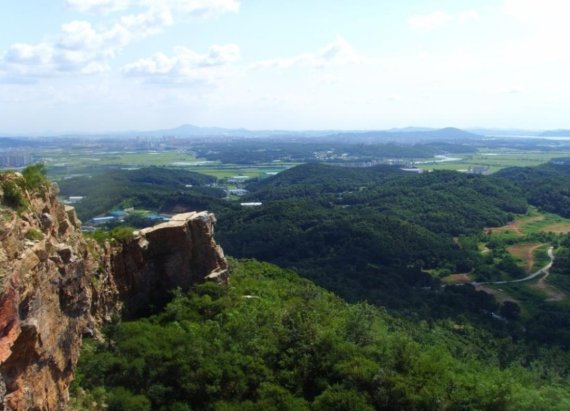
x: 525, y: 252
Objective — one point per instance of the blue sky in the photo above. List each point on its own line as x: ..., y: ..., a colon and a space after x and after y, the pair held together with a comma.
x: 108, y: 65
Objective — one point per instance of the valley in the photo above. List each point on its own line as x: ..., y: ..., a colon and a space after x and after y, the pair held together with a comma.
x: 439, y: 259
x: 236, y: 205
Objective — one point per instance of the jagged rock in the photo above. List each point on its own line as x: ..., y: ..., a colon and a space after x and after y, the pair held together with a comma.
x: 58, y: 289
x: 46, y: 220
x: 65, y: 252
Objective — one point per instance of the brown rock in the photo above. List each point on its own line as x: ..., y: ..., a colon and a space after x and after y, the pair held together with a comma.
x: 174, y: 254
x: 56, y: 290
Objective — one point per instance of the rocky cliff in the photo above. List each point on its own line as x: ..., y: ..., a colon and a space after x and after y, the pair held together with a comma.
x: 174, y: 254
x: 55, y: 286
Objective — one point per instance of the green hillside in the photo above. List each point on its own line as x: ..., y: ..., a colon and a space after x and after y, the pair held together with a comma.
x: 273, y: 341
x: 155, y: 188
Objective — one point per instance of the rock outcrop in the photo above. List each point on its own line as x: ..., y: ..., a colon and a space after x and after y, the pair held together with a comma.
x: 174, y: 254
x: 56, y: 287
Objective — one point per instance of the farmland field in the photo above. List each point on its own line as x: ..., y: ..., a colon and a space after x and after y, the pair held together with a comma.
x: 62, y: 164
x: 495, y: 160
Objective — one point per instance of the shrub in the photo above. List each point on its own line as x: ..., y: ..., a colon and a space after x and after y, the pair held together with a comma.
x: 35, y: 176
x: 122, y: 234
x: 34, y: 235
x: 12, y: 195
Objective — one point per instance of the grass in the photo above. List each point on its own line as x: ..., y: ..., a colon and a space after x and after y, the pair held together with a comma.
x: 541, y: 258
x: 561, y: 282
x: 525, y: 254
x: 34, y: 235
x: 463, y: 278
x: 532, y: 223
x: 562, y: 227
x: 527, y: 297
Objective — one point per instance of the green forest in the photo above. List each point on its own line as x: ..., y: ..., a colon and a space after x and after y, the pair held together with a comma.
x: 393, y: 336
x: 155, y: 188
x: 274, y: 341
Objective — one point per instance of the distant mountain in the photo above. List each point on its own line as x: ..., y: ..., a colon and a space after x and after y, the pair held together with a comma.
x: 448, y: 134
x: 410, y: 129
x: 405, y: 135
x: 408, y: 134
x: 556, y: 133
x: 504, y: 132
x: 189, y: 130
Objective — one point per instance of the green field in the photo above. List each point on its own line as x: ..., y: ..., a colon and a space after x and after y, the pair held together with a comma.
x: 495, y: 160
x: 88, y: 160
x: 61, y: 164
x: 533, y: 222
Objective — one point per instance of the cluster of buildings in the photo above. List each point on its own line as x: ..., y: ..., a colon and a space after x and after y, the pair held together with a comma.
x: 15, y: 159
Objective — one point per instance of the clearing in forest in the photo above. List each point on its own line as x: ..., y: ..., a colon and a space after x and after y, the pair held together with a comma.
x: 517, y: 226
x: 524, y: 252
x: 533, y: 222
x: 462, y: 278
x: 562, y: 227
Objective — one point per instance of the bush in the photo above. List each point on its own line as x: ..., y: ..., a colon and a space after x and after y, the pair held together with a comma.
x: 13, y: 195
x: 35, y: 176
x: 338, y: 398
x: 121, y: 399
x: 34, y: 235
x: 122, y: 234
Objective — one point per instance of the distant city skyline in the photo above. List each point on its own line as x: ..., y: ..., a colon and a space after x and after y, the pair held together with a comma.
x: 95, y: 66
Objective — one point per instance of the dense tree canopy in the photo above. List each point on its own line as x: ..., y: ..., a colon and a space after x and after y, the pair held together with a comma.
x: 273, y: 341
x: 154, y: 188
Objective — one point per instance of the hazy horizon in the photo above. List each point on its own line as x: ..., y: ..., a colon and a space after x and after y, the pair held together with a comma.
x: 100, y: 66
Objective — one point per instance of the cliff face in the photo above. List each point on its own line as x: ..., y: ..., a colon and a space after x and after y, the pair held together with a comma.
x: 56, y: 287
x: 174, y: 254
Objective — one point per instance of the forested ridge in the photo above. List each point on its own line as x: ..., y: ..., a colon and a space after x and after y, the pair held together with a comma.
x: 546, y: 186
x: 273, y: 341
x: 154, y: 188
x: 370, y: 233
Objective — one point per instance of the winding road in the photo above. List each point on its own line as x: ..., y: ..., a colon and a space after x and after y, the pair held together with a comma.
x: 543, y: 270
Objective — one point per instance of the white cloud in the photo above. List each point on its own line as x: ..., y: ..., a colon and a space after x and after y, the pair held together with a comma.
x: 185, y: 65
x: 538, y: 11
x: 206, y: 8
x: 337, y: 52
x: 439, y: 19
x: 80, y: 48
x: 201, y: 8
x: 98, y: 6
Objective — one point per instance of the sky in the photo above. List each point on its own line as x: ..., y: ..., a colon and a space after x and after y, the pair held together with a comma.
x: 96, y: 66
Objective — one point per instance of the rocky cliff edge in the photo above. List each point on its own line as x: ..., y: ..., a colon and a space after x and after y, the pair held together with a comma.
x: 56, y: 286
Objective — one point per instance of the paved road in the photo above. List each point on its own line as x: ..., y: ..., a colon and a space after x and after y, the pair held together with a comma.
x: 543, y: 270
